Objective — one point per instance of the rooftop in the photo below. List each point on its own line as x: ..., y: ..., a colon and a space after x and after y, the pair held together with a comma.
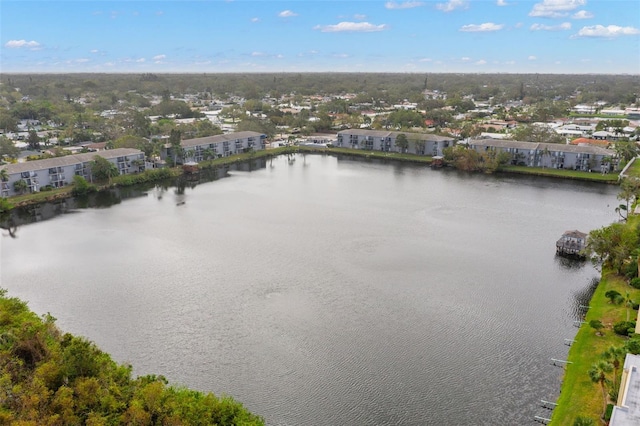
x: 627, y: 410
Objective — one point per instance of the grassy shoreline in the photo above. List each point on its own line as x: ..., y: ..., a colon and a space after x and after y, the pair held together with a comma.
x: 148, y: 176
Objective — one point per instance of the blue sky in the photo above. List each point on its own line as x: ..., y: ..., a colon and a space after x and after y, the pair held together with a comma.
x: 479, y: 36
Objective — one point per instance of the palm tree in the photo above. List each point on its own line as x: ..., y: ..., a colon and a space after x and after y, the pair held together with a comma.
x: 598, y: 374
x: 4, y: 175
x: 615, y: 355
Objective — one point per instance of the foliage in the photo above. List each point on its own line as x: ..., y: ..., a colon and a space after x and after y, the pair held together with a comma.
x: 402, y: 142
x: 81, y: 186
x: 612, y: 245
x: 103, y: 169
x: 614, y: 297
x: 635, y: 282
x: 629, y: 193
x: 8, y: 148
x: 583, y: 421
x: 47, y: 377
x: 466, y: 159
x: 20, y: 186
x: 536, y: 133
x: 626, y: 151
x: 596, y: 325
x: 624, y: 328
x: 5, y: 205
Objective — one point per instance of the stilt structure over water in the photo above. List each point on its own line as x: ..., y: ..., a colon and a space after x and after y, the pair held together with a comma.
x: 572, y: 243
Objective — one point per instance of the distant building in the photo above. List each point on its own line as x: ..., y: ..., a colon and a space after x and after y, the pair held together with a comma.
x: 551, y: 155
x: 59, y: 171
x: 384, y: 140
x: 200, y: 149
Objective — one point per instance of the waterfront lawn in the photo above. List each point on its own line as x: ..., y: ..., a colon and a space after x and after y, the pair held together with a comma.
x: 41, y: 196
x: 634, y: 169
x: 563, y: 173
x: 580, y: 396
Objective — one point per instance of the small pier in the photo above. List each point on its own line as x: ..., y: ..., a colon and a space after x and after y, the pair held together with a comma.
x: 572, y: 244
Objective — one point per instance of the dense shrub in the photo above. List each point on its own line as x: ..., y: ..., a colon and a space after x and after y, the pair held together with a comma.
x: 635, y: 282
x: 81, y: 186
x: 624, y: 328
x: 48, y: 378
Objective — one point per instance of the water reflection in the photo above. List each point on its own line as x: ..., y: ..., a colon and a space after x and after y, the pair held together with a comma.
x: 570, y: 263
x: 581, y: 298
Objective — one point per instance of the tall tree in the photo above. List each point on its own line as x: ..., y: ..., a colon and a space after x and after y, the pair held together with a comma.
x: 175, y: 137
x: 598, y: 374
x: 103, y: 169
x: 33, y: 140
x: 402, y: 142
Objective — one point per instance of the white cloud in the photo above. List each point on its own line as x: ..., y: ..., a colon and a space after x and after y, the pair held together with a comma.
x: 18, y: 44
x: 140, y: 60
x: 159, y: 57
x: 82, y: 60
x: 510, y: 63
x: 94, y: 51
x: 465, y: 59
x: 360, y: 27
x: 258, y: 54
x: 532, y: 58
x: 502, y: 3
x: 582, y: 14
x: 487, y: 26
x: 610, y: 31
x: 542, y: 27
x: 340, y: 55
x: 555, y: 8
x: 452, y: 5
x: 481, y: 62
x: 360, y: 17
x: 403, y: 5
x: 425, y: 60
x: 255, y: 19
x: 287, y: 14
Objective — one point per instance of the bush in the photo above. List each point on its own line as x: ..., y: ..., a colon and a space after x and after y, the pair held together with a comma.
x: 624, y: 328
x: 635, y: 282
x: 81, y: 186
x: 5, y: 205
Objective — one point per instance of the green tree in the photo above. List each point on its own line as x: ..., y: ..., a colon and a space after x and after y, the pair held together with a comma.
x: 626, y: 150
x: 20, y: 186
x: 615, y: 355
x: 103, y: 169
x: 4, y: 175
x: 597, y: 326
x: 535, y: 133
x: 598, y: 374
x: 402, y: 142
x: 612, y: 246
x: 175, y: 137
x: 33, y: 140
x: 8, y: 148
x: 614, y: 297
x: 629, y: 193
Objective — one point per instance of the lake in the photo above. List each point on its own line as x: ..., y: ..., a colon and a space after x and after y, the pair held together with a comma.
x: 324, y: 290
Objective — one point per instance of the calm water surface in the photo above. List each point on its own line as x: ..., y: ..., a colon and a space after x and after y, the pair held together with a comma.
x: 320, y: 291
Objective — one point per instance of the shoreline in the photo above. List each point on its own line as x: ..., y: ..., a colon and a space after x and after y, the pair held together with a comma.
x: 37, y: 198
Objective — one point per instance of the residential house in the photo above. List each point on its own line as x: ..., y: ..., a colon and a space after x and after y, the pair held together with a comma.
x: 384, y: 140
x: 199, y: 149
x: 59, y: 171
x: 551, y: 155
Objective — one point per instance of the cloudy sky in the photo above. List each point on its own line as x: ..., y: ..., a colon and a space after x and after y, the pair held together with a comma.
x: 546, y: 36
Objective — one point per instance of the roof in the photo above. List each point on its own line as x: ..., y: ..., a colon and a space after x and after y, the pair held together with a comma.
x: 219, y: 138
x: 627, y: 410
x: 67, y: 160
x: 598, y: 142
x: 393, y: 134
x: 574, y: 234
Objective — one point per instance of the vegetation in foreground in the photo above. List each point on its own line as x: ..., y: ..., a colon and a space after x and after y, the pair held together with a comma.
x: 51, y: 378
